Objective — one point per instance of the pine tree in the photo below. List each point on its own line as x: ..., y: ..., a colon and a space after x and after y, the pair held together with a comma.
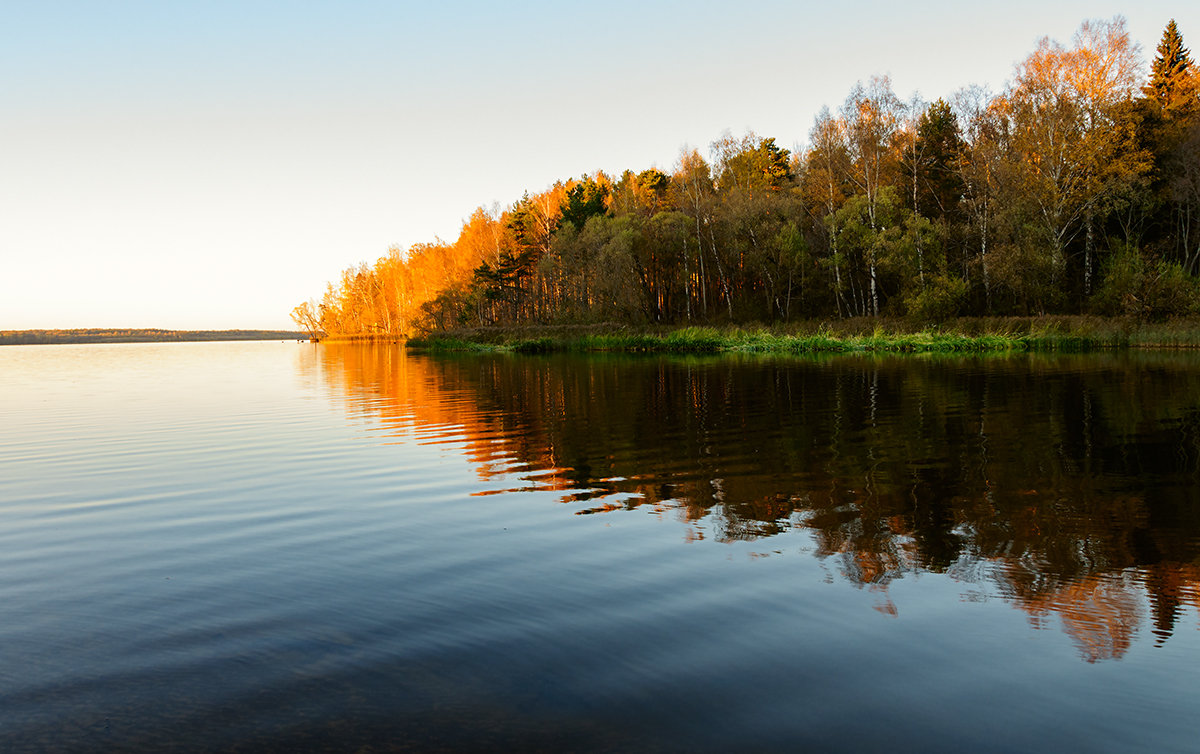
x: 1170, y: 83
x: 587, y: 198
x: 940, y: 147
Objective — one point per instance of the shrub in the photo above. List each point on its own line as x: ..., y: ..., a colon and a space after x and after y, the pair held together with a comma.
x: 1154, y: 291
x: 939, y: 300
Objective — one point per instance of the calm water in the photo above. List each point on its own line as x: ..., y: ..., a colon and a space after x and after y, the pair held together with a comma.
x: 288, y: 547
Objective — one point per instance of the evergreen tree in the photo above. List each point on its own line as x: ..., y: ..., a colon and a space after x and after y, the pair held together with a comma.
x: 586, y: 198
x: 1170, y: 83
x: 940, y: 185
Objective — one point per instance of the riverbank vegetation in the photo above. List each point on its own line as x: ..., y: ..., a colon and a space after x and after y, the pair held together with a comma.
x: 1074, y: 191
x: 858, y: 334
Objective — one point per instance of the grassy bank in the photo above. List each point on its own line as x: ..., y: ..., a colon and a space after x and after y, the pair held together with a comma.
x: 1066, y: 334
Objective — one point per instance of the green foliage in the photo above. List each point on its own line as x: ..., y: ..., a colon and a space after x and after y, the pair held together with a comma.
x: 530, y: 229
x: 939, y: 153
x: 1002, y: 204
x: 940, y: 299
x: 1154, y: 291
x: 1169, y: 86
x: 754, y: 163
x: 643, y: 193
x: 709, y: 339
x: 585, y: 200
x: 1027, y: 269
x: 449, y: 309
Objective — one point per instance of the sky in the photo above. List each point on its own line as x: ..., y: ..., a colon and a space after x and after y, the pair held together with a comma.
x: 210, y: 165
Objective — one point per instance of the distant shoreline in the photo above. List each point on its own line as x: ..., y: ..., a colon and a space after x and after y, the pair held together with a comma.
x: 138, y: 335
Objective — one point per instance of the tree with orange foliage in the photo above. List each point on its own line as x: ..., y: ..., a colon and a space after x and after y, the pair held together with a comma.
x: 1072, y: 138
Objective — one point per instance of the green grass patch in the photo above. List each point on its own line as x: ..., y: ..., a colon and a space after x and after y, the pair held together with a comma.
x: 980, y: 335
x: 711, y: 340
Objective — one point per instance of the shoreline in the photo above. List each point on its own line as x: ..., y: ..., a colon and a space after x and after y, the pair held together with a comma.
x: 76, y: 336
x: 975, y: 335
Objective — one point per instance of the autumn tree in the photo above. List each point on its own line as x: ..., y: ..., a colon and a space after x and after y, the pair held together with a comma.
x: 978, y: 170
x: 755, y: 198
x: 1017, y: 202
x: 826, y: 185
x: 872, y: 114
x: 307, y: 318
x: 693, y: 193
x: 1071, y: 143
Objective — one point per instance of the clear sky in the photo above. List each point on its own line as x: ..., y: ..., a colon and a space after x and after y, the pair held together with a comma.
x: 200, y: 164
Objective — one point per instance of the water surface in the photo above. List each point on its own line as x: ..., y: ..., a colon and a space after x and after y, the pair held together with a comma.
x: 281, y: 547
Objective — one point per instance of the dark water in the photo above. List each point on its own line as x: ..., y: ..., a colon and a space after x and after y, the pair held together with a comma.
x: 285, y: 547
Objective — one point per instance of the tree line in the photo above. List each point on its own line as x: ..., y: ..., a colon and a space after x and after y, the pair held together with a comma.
x: 1075, y: 189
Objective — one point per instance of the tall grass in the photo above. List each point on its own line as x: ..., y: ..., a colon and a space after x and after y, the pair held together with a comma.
x: 978, y: 335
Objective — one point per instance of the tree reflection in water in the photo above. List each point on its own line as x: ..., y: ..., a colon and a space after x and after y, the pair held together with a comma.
x: 1067, y: 483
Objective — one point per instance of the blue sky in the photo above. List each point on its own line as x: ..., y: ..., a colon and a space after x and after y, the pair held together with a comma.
x: 204, y: 165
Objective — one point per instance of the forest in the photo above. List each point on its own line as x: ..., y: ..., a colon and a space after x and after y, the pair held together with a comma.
x: 1074, y: 190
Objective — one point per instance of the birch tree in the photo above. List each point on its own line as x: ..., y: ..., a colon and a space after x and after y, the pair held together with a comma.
x: 872, y: 114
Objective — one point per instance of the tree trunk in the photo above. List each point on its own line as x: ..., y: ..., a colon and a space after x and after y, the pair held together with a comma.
x: 1089, y: 244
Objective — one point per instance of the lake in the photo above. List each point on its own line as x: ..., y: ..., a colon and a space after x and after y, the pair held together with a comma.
x: 296, y: 547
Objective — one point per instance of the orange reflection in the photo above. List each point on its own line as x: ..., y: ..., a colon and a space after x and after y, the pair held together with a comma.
x: 1065, y: 485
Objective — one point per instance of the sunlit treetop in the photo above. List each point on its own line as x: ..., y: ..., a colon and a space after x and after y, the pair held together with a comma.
x: 1172, y: 75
